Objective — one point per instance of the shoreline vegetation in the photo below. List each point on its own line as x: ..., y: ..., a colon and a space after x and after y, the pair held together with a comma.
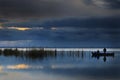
x: 34, y: 53
x: 40, y: 53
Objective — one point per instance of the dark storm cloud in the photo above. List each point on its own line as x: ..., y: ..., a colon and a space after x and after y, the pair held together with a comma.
x: 72, y: 23
x: 89, y: 23
x: 54, y: 8
x: 3, y: 20
x: 23, y: 8
x: 79, y: 26
x: 100, y: 22
x: 112, y: 4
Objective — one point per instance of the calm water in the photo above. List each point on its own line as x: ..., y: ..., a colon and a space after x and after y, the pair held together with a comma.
x: 64, y: 65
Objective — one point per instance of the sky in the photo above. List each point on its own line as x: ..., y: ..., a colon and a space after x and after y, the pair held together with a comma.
x: 59, y: 23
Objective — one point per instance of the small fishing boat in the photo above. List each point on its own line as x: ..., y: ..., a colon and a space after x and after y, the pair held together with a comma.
x: 102, y: 54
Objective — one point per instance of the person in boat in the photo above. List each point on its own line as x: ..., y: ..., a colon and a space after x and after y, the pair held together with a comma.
x: 104, y: 50
x: 98, y: 51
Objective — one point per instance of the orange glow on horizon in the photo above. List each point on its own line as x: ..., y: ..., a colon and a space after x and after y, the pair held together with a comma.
x: 20, y: 28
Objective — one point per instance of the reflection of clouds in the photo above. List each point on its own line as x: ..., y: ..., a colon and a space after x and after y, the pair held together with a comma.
x: 73, y: 66
x: 66, y: 66
x: 40, y: 67
x: 19, y: 66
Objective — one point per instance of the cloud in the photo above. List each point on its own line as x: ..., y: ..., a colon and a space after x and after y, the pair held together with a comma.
x: 3, y: 20
x: 92, y: 21
x: 92, y: 31
x: 55, y: 8
x: 17, y: 8
x: 111, y: 4
x: 18, y: 43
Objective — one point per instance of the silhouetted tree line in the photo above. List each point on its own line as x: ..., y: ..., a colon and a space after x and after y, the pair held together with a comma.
x: 33, y: 54
x: 39, y: 53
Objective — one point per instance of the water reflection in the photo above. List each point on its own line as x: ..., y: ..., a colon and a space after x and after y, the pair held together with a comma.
x: 19, y: 66
x: 73, y: 65
x: 104, y: 56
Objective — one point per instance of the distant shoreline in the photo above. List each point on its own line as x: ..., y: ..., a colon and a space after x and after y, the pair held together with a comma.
x: 62, y: 49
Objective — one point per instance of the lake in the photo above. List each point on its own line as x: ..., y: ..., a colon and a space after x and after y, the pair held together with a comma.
x: 59, y: 64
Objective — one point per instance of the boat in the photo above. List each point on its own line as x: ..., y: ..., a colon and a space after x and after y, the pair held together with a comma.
x: 95, y: 54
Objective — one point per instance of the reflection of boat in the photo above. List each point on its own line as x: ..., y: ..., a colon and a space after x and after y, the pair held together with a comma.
x: 103, y: 54
x: 95, y: 54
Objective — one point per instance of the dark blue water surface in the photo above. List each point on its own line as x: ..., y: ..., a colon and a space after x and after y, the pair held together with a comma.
x: 64, y: 65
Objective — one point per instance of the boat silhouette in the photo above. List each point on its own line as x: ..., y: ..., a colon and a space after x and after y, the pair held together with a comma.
x: 95, y: 54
